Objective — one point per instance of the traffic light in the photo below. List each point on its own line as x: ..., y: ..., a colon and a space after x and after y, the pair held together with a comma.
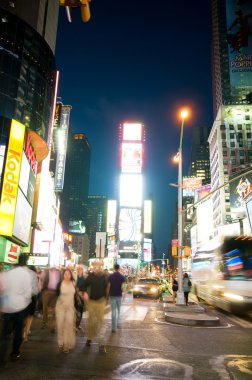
x: 187, y: 251
x: 174, y: 251
x: 84, y: 8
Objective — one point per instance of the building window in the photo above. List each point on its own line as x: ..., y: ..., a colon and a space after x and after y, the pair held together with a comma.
x: 247, y: 117
x: 223, y: 136
x: 249, y: 135
x: 232, y: 136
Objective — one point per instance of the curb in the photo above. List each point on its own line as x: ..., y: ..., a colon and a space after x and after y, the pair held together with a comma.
x: 192, y: 319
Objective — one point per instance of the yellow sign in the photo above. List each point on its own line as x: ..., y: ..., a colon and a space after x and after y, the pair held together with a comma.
x: 11, y: 178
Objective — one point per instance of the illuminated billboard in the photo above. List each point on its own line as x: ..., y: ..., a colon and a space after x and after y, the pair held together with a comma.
x: 205, y: 226
x: 11, y: 174
x: 131, y: 189
x: 130, y: 224
x: 201, y: 192
x: 132, y: 131
x: 147, y: 249
x: 132, y: 158
x: 239, y: 39
x: 100, y: 244
x: 61, y: 135
x: 111, y: 217
x: 22, y: 221
x: 239, y: 189
x: 77, y: 227
x: 147, y: 217
x: 190, y: 184
x: 9, y: 252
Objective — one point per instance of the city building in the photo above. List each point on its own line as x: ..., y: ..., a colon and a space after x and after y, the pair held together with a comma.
x: 230, y: 143
x: 96, y: 222
x: 200, y: 162
x: 28, y: 81
x: 76, y: 185
x: 231, y: 52
x: 80, y: 245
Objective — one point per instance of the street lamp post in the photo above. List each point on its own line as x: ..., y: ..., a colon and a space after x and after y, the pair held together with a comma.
x: 180, y: 293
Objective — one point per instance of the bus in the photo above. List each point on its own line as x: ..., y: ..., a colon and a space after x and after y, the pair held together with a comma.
x: 223, y: 276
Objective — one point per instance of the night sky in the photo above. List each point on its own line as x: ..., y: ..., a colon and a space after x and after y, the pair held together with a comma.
x: 138, y: 61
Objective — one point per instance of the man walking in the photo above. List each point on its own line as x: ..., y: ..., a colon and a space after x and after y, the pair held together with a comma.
x: 49, y: 295
x: 95, y: 294
x: 18, y: 287
x: 116, y: 289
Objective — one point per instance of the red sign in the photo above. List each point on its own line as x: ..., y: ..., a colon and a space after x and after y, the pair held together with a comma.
x: 29, y: 151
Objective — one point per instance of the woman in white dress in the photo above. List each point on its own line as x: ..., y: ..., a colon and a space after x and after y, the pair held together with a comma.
x: 65, y: 312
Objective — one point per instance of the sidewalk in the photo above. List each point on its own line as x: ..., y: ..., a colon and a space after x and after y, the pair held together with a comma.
x: 191, y: 315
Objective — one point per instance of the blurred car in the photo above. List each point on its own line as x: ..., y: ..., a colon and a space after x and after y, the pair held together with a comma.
x: 147, y: 287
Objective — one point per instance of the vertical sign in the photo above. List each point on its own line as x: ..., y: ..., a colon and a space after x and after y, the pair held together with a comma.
x: 11, y: 178
x: 61, y: 135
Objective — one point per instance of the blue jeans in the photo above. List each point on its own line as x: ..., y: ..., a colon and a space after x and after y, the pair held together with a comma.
x: 115, y: 309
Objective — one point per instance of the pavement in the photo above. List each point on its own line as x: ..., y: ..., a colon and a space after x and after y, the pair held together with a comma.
x: 191, y: 315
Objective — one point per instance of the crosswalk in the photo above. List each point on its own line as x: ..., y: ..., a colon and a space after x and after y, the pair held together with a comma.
x: 127, y: 313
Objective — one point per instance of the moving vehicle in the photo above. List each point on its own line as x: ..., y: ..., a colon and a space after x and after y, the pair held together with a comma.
x: 223, y: 276
x: 147, y: 287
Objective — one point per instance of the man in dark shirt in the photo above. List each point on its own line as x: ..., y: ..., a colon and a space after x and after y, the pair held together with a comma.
x: 116, y: 290
x: 95, y: 294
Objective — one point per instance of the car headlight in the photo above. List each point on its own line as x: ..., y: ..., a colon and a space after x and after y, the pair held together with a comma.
x: 235, y: 297
x: 153, y: 290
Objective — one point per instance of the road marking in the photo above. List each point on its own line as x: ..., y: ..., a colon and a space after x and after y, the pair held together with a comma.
x: 224, y: 364
x: 127, y: 313
x: 143, y: 368
x: 243, y: 323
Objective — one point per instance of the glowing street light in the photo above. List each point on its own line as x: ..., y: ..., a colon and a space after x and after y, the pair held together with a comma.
x: 180, y: 294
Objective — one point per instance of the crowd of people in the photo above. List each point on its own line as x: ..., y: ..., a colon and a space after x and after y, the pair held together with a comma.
x: 61, y: 295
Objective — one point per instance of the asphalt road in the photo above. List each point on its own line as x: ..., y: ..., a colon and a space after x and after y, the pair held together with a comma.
x: 144, y: 347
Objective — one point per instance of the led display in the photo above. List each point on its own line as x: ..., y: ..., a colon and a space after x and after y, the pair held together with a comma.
x: 190, y: 184
x: 205, y: 227
x: 131, y: 187
x: 132, y: 131
x: 111, y: 217
x: 147, y: 217
x: 147, y: 248
x: 132, y: 158
x: 22, y: 221
x: 130, y: 221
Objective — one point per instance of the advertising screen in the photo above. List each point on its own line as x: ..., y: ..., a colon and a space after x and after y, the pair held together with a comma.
x: 239, y: 38
x: 190, y: 184
x: 201, y: 192
x: 24, y: 174
x: 132, y: 131
x: 132, y: 158
x: 131, y: 189
x: 205, y: 227
x: 130, y: 224
x: 147, y: 217
x: 77, y: 227
x: 11, y: 177
x: 239, y: 189
x: 39, y: 245
x: 22, y: 221
x: 147, y: 248
x: 111, y: 217
x: 100, y: 244
x: 61, y: 136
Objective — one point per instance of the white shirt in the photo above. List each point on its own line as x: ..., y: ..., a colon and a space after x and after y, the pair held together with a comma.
x: 17, y: 290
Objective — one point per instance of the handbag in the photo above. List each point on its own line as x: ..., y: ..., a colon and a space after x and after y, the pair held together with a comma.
x: 78, y: 303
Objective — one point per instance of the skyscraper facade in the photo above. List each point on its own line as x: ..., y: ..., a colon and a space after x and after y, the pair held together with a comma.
x: 200, y: 163
x: 76, y: 183
x: 96, y: 219
x: 231, y: 52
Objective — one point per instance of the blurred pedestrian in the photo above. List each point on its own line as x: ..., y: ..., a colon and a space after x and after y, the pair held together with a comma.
x: 17, y: 291
x: 116, y: 289
x: 95, y: 294
x: 174, y: 287
x: 65, y: 312
x: 41, y: 276
x: 80, y: 277
x: 49, y: 295
x: 186, y: 287
x: 32, y: 306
